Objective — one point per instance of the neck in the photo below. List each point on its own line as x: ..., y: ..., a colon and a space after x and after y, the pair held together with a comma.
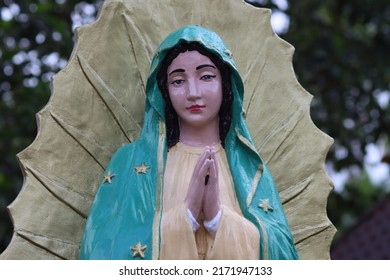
x: 207, y: 135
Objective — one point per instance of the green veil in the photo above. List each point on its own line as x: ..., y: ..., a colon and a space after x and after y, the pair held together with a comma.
x: 128, y: 205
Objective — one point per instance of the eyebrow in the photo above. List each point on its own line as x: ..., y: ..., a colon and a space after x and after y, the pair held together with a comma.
x: 177, y: 70
x: 180, y: 70
x: 205, y: 65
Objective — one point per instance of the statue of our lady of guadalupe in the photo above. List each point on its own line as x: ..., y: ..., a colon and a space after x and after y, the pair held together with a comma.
x: 193, y: 185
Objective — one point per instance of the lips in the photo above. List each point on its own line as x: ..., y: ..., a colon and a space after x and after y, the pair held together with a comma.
x: 195, y: 107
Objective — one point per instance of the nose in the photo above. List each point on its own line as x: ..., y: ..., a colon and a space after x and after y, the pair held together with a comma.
x: 192, y: 90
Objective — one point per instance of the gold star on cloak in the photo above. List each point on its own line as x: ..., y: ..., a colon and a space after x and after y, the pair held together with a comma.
x: 139, y: 250
x: 264, y: 204
x: 108, y: 177
x: 141, y: 169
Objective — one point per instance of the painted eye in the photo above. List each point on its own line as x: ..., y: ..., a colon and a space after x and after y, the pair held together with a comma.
x: 207, y: 77
x: 177, y: 82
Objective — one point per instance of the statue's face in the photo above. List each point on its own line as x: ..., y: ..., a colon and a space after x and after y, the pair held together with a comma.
x: 195, y: 88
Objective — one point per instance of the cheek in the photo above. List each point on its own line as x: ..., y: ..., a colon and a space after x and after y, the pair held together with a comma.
x: 177, y: 98
x: 215, y: 95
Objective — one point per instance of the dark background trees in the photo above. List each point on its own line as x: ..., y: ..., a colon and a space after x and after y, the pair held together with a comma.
x: 341, y: 58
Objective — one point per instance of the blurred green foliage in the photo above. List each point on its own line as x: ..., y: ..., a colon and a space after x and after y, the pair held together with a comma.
x: 357, y: 199
x: 341, y: 58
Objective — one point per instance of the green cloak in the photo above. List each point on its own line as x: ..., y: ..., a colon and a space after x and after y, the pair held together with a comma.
x: 128, y: 205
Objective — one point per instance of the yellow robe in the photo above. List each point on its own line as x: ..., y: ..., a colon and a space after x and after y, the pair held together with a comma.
x: 236, y: 238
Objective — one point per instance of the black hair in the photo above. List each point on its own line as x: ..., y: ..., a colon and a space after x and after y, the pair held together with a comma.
x: 225, y: 112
